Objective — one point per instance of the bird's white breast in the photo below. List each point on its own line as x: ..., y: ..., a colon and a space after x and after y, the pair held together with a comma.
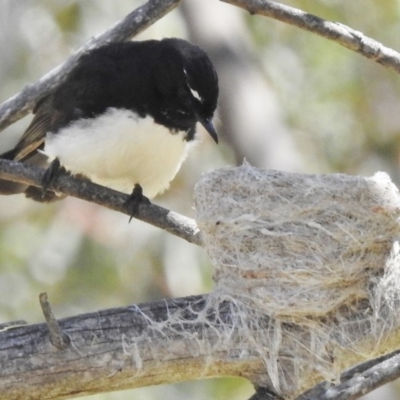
x: 118, y: 149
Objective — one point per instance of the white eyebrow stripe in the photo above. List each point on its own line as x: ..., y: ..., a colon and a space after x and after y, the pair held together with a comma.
x: 195, y: 93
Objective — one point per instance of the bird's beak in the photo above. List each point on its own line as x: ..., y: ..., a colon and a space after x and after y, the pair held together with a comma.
x: 209, y: 127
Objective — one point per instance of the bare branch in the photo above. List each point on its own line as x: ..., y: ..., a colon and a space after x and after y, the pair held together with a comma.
x: 21, y: 104
x: 170, y: 221
x: 342, y: 34
x: 355, y: 382
x: 118, y: 349
x: 358, y: 381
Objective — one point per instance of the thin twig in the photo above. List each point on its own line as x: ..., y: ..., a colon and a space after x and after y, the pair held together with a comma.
x: 57, y: 337
x: 22, y: 103
x: 355, y: 382
x: 366, y: 365
x: 342, y: 34
x: 359, y: 380
x: 170, y: 221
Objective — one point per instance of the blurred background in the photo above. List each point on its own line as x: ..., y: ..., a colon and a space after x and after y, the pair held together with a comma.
x: 289, y: 100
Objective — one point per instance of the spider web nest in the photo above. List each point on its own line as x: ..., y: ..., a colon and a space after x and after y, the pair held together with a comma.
x: 311, y: 265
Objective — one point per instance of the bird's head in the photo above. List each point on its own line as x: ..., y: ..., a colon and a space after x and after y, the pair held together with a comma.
x: 188, y: 86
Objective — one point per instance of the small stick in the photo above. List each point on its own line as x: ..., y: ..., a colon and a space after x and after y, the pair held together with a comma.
x: 57, y: 337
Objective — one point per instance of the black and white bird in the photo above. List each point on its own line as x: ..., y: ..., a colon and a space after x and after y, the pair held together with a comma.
x: 124, y: 116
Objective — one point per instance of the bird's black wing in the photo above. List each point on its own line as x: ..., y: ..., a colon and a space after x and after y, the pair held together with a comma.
x: 71, y: 100
x: 83, y: 95
x: 26, y: 151
x: 33, y: 137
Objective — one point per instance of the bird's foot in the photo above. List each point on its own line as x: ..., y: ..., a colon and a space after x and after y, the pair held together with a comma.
x: 37, y: 194
x: 135, y: 199
x: 49, y: 176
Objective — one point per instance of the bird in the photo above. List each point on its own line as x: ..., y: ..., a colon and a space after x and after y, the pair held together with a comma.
x: 124, y: 117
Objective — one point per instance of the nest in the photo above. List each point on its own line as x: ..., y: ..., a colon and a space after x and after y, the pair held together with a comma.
x: 311, y: 264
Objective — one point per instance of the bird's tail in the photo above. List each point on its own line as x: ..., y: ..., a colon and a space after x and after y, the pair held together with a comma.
x: 31, y: 192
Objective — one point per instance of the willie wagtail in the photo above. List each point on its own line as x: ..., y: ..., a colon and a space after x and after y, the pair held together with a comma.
x: 123, y: 118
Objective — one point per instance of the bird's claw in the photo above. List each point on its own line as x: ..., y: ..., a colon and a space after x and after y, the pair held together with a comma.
x: 135, y: 199
x: 51, y: 173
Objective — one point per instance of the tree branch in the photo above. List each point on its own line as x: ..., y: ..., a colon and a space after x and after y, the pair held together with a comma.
x: 339, y: 33
x: 118, y: 349
x: 125, y: 347
x: 21, y: 104
x: 170, y: 221
x: 359, y: 380
x: 355, y: 382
